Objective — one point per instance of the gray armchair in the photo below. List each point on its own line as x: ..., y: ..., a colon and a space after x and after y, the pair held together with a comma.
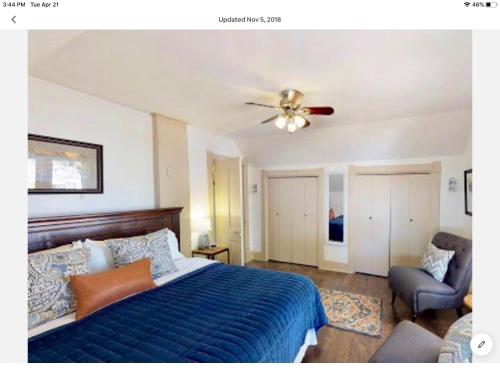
x: 409, y: 343
x: 420, y: 291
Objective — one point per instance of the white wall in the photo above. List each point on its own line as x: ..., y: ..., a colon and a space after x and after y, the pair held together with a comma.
x: 199, y: 142
x: 126, y: 136
x: 452, y: 216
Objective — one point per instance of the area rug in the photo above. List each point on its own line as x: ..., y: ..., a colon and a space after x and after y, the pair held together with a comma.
x: 353, y: 312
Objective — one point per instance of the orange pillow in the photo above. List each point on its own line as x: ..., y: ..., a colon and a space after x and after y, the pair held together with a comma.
x: 93, y: 292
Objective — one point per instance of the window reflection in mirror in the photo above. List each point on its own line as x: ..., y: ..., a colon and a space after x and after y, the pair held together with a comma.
x: 336, y: 207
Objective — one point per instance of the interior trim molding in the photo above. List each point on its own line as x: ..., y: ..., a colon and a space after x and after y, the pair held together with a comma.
x: 434, y: 167
x: 329, y: 265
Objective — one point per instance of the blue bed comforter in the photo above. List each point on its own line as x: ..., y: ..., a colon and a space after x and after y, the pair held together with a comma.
x: 219, y: 313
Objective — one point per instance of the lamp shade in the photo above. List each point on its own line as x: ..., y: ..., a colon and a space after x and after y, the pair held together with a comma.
x: 201, y: 225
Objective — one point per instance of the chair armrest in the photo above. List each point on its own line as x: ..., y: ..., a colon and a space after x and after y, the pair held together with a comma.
x: 409, y: 343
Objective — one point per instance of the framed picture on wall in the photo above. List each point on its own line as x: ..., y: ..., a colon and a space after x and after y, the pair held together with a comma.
x: 62, y: 166
x: 468, y: 191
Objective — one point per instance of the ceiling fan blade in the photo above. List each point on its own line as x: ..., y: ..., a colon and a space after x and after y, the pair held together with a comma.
x: 270, y: 119
x: 261, y: 105
x: 326, y: 111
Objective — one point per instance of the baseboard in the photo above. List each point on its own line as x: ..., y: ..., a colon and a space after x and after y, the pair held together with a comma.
x: 257, y: 255
x: 335, y: 266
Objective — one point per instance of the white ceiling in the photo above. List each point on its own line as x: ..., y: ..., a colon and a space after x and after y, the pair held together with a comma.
x: 204, y: 77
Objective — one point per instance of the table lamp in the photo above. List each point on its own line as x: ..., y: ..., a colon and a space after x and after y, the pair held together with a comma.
x: 202, y: 226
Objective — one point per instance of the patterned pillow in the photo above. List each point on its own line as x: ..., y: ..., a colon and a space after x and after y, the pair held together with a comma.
x: 456, y: 346
x: 435, y: 261
x: 154, y: 246
x: 50, y: 294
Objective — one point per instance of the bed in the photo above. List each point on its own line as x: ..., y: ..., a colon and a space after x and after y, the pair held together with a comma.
x: 336, y: 229
x: 205, y: 312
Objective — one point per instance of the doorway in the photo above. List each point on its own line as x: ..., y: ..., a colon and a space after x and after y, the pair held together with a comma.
x: 225, y: 199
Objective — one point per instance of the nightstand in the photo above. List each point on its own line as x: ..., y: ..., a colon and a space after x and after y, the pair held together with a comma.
x: 211, y: 252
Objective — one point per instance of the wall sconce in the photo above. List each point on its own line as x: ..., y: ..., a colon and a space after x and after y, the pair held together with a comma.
x: 452, y: 184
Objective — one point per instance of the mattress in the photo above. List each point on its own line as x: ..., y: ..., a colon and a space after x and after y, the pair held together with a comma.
x: 195, y: 315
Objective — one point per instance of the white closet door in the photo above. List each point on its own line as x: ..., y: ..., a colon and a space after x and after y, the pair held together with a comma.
x: 381, y: 224
x: 420, y: 217
x: 362, y: 224
x: 400, y: 220
x: 273, y: 212
x: 311, y: 225
x: 298, y: 220
x: 285, y: 235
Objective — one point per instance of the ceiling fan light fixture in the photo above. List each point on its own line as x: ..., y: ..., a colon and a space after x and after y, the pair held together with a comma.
x: 292, y: 126
x: 299, y: 121
x: 281, y: 122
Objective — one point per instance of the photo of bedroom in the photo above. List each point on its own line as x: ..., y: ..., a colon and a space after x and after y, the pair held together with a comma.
x: 192, y: 201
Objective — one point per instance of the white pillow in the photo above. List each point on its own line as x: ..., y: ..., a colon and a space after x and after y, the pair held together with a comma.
x: 173, y: 244
x: 101, y: 258
x: 435, y: 261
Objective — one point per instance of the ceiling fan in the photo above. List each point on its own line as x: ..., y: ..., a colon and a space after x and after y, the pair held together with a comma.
x: 292, y: 115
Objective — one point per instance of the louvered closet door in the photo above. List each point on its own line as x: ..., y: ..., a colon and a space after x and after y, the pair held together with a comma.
x: 274, y: 218
x: 420, y: 217
x: 400, y: 220
x: 286, y: 219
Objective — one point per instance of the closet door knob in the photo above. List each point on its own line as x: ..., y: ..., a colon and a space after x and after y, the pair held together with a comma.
x: 305, y: 214
x: 411, y: 219
x: 370, y: 217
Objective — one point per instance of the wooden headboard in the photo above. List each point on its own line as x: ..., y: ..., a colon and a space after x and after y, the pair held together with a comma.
x: 48, y: 232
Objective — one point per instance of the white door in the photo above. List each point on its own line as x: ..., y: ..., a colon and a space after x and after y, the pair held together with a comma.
x: 311, y: 225
x: 420, y: 217
x: 362, y: 224
x: 400, y: 220
x: 381, y: 225
x: 227, y: 191
x: 371, y: 224
x: 273, y: 213
x: 286, y: 219
x: 298, y: 220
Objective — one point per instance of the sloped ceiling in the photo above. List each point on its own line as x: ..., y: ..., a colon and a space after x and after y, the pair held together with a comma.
x: 204, y: 77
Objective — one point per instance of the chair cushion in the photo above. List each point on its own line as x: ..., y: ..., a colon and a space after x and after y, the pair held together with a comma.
x: 409, y: 343
x: 409, y: 282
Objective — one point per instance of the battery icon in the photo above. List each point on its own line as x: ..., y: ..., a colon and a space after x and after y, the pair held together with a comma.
x: 491, y: 4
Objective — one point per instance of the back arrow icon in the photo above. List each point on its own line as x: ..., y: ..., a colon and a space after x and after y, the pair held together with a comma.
x: 13, y: 20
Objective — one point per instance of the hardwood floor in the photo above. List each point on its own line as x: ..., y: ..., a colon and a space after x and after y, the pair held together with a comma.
x: 335, y: 345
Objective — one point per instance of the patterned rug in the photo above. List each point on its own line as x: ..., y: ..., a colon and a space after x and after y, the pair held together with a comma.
x: 353, y: 312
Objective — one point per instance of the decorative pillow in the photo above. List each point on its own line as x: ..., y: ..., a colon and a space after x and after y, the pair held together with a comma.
x: 153, y: 246
x: 435, y: 261
x: 62, y: 248
x: 173, y: 244
x: 50, y: 294
x: 93, y: 292
x: 456, y: 346
x: 101, y: 258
